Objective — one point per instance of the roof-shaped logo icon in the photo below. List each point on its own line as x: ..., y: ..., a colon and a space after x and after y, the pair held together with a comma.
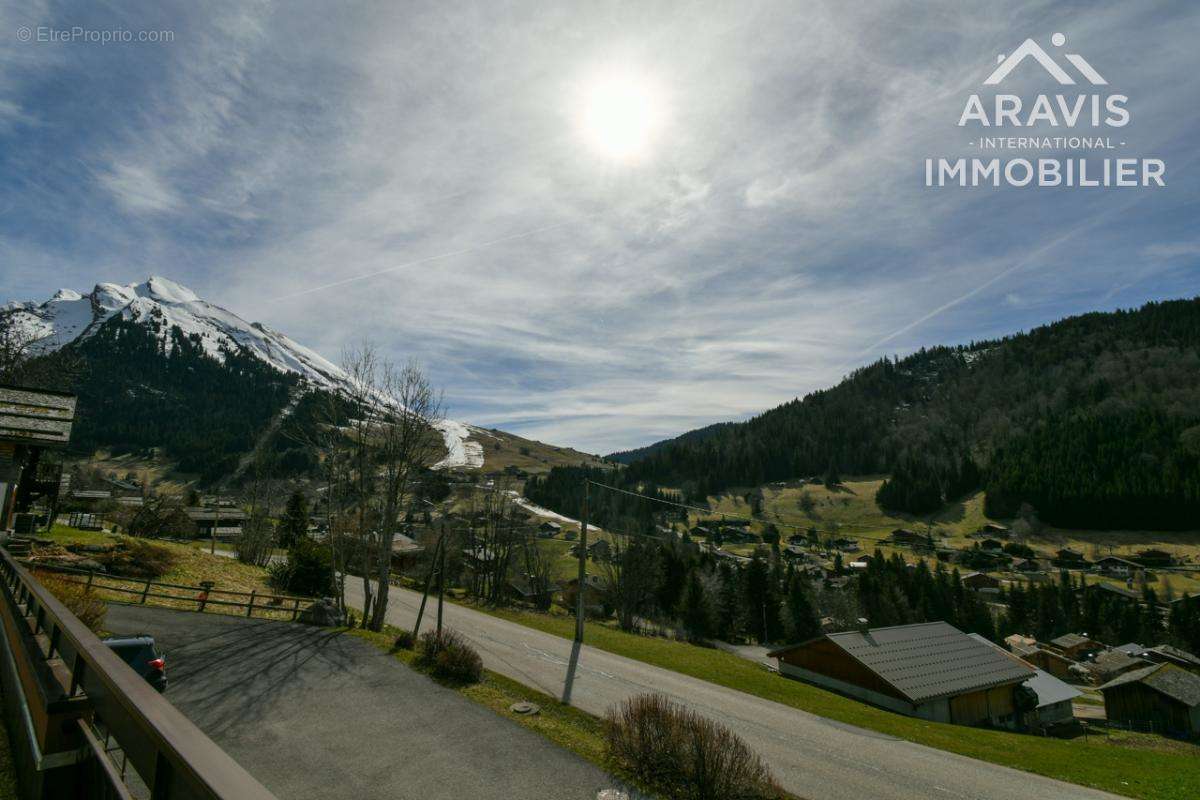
x: 1031, y: 49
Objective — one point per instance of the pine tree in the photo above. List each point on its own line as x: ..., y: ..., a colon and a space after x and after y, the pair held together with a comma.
x: 695, y: 612
x: 293, y: 526
x: 803, y: 617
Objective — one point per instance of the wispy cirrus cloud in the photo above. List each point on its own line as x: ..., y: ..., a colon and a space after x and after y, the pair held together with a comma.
x: 415, y: 175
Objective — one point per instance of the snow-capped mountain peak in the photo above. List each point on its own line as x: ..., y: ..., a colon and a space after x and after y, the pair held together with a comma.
x: 163, y: 304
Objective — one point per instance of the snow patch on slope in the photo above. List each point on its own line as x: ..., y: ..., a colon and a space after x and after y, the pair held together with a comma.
x: 460, y: 450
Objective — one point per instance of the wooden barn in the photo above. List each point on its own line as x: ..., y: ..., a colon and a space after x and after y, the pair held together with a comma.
x: 1163, y: 697
x: 929, y: 670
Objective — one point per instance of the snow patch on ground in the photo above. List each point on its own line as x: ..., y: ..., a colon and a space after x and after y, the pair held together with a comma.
x: 460, y: 450
x: 540, y: 511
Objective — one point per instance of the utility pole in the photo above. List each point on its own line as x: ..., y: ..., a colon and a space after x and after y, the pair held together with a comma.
x: 433, y: 567
x: 212, y: 548
x: 441, y: 585
x: 579, y: 604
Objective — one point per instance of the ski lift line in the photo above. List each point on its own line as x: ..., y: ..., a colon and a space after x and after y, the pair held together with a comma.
x: 722, y: 514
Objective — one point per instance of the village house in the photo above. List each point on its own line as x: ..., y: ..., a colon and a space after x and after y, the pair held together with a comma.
x: 1154, y: 558
x: 1109, y: 664
x: 1049, y: 661
x: 1075, y: 646
x: 548, y: 530
x: 1116, y: 567
x: 1166, y: 654
x: 1112, y: 590
x: 224, y: 523
x: 532, y: 589
x: 1070, y: 559
x: 903, y: 536
x: 1163, y: 697
x: 981, y: 582
x: 995, y: 530
x: 594, y: 595
x: 405, y: 551
x: 1027, y: 565
x: 929, y: 670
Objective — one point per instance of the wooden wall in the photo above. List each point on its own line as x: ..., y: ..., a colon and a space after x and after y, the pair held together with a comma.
x: 826, y: 658
x: 1140, y: 703
x: 974, y: 708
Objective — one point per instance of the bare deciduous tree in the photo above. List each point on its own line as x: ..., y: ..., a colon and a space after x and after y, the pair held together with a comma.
x: 390, y: 437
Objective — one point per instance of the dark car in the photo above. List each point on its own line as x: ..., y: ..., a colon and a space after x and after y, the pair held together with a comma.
x: 140, y: 653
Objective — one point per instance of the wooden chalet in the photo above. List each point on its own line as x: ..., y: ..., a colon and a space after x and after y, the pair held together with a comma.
x: 1163, y: 697
x: 929, y: 670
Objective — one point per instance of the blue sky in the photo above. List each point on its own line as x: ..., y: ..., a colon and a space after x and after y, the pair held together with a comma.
x: 427, y: 166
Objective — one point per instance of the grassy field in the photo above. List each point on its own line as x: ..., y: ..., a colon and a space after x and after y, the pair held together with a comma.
x: 850, y: 510
x: 1136, y: 765
x: 501, y: 450
x: 192, y: 566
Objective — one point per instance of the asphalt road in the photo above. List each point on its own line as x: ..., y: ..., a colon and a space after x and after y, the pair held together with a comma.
x: 316, y: 715
x: 813, y: 757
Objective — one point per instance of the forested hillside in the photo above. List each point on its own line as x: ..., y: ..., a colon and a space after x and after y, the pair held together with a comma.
x: 1094, y: 421
x: 202, y: 412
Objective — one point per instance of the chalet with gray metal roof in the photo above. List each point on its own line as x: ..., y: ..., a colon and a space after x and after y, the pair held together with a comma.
x: 929, y: 670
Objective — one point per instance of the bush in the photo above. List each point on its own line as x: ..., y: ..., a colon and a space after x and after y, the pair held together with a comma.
x: 450, y: 657
x: 683, y: 755
x: 308, y: 570
x: 404, y: 641
x: 79, y: 598
x: 137, y: 558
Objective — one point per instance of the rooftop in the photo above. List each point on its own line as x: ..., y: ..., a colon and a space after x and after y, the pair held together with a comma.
x: 1070, y: 640
x: 929, y: 659
x: 1167, y: 679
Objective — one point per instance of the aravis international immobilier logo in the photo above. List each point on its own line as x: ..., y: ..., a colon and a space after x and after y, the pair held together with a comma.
x: 1059, y: 139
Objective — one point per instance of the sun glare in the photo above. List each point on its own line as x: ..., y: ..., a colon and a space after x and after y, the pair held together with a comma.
x: 621, y: 115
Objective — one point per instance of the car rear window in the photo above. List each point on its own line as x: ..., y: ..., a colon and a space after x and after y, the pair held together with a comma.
x: 137, y: 653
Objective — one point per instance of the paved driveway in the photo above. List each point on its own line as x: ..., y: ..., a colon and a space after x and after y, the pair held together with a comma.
x: 813, y: 757
x: 320, y: 716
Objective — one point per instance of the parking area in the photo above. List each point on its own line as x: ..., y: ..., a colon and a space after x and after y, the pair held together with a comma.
x: 317, y: 715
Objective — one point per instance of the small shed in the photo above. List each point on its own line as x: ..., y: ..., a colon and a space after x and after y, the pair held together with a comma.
x: 1162, y: 697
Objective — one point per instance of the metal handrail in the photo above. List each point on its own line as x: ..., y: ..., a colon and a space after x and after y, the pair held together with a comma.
x: 173, y: 756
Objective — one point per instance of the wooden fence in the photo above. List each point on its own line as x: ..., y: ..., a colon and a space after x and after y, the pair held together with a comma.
x: 196, y: 598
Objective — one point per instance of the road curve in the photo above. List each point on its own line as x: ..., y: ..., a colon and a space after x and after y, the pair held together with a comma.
x: 813, y: 757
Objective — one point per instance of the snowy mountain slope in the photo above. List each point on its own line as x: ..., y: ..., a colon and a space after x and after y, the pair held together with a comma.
x: 162, y: 304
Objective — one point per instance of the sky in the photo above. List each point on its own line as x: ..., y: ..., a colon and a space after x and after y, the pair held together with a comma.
x: 449, y: 182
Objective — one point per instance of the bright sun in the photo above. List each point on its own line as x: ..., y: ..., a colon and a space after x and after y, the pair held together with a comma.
x: 621, y: 115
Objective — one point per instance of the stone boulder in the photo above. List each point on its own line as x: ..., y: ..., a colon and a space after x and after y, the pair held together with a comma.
x: 324, y: 613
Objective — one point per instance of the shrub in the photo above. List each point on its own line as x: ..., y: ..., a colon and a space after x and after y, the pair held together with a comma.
x: 137, y: 558
x: 683, y: 755
x: 404, y: 641
x: 79, y: 598
x: 307, y: 571
x: 450, y: 657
